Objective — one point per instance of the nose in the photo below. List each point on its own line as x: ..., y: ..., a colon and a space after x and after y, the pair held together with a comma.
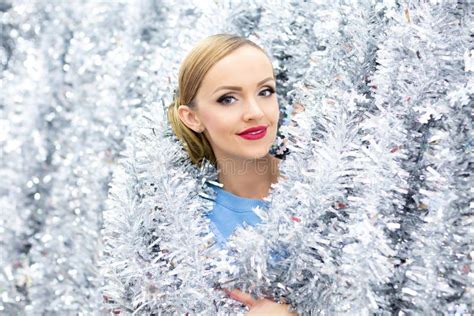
x: 253, y: 110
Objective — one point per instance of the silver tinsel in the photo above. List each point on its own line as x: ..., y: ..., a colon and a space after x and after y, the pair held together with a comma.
x: 424, y: 78
x: 374, y: 215
x: 334, y: 221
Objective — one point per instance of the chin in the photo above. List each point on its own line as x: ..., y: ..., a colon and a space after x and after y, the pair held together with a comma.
x: 259, y: 153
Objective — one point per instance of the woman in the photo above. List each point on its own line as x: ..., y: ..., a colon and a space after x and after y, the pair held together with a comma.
x: 343, y: 221
x: 180, y: 233
x: 227, y: 112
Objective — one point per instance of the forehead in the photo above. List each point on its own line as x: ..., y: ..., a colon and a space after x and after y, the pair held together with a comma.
x: 246, y: 65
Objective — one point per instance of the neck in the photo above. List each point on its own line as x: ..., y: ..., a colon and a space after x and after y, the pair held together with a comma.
x: 249, y: 178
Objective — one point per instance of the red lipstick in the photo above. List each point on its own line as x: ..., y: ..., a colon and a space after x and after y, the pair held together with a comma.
x: 254, y: 132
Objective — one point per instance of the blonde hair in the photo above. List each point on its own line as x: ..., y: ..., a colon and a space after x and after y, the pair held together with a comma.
x: 191, y: 74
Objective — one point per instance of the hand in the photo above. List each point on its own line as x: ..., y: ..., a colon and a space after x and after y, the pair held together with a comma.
x: 260, y: 307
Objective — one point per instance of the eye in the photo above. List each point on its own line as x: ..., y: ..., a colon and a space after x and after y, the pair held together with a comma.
x: 271, y: 90
x: 226, y: 97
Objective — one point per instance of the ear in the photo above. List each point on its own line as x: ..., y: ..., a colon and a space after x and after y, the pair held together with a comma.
x: 190, y: 118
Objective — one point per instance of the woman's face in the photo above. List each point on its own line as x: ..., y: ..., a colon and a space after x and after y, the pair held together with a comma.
x: 224, y: 112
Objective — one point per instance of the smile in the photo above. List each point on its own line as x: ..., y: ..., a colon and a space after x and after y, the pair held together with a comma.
x: 254, y: 135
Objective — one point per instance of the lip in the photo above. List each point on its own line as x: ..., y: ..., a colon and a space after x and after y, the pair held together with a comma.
x: 246, y: 133
x: 253, y: 129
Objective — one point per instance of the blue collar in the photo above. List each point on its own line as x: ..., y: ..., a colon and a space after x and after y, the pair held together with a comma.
x: 235, y: 202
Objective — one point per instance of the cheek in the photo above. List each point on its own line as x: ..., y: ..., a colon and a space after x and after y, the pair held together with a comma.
x: 274, y: 113
x: 220, y: 123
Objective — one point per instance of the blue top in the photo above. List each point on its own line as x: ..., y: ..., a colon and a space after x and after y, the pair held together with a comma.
x: 231, y: 211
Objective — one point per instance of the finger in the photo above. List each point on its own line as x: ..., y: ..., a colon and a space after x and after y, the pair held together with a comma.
x: 242, y: 297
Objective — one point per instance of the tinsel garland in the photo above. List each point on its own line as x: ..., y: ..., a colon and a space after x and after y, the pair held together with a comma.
x: 373, y: 215
x: 424, y: 82
x: 334, y: 216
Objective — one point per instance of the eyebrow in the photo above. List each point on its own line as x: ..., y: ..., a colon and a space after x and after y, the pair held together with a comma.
x: 239, y: 88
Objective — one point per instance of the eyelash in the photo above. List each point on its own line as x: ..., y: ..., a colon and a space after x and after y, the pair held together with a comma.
x: 272, y: 91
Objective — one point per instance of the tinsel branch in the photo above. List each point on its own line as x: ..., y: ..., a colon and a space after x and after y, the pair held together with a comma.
x: 414, y: 80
